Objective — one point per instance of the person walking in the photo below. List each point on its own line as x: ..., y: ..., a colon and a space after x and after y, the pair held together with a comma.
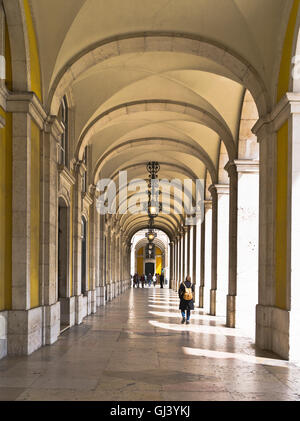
x: 186, y: 297
x: 149, y: 279
x: 162, y: 279
x: 143, y: 280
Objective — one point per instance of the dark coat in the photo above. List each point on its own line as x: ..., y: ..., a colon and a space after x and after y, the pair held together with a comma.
x: 184, y: 304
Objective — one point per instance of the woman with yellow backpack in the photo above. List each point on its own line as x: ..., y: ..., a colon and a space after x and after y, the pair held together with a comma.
x: 186, y: 296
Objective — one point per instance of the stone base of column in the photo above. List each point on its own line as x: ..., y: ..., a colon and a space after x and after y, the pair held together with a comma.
x: 3, y: 333
x: 78, y: 309
x: 201, y: 297
x: 108, y: 292
x: 88, y: 295
x: 97, y: 296
x: 93, y: 301
x: 231, y: 309
x: 112, y: 286
x: 213, y: 302
x: 102, y: 292
x: 67, y: 311
x: 24, y: 331
x: 272, y: 330
x: 52, y: 322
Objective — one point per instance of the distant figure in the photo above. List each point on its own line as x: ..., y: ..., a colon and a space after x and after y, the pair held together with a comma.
x: 143, y: 280
x: 162, y: 279
x: 136, y: 280
x: 149, y: 279
x: 154, y: 280
x: 185, y: 293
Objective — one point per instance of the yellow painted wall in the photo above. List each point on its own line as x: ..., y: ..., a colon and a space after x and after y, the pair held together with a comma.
x: 158, y: 264
x: 35, y: 216
x: 281, y: 216
x: 158, y: 250
x: 282, y: 166
x: 6, y: 212
x: 140, y: 265
x: 6, y: 193
x: 35, y: 71
x: 141, y: 251
x: 286, y: 58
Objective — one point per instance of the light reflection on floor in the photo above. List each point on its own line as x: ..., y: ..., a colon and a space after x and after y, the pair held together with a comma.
x: 211, y: 330
x: 229, y: 355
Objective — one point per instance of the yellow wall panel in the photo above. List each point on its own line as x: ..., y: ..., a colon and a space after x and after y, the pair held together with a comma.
x: 286, y: 58
x: 158, y: 264
x: 141, y: 251
x: 35, y: 216
x: 6, y: 212
x: 281, y: 216
x: 140, y: 265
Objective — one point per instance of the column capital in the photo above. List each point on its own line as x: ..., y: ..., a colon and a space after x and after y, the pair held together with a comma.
x: 231, y: 169
x: 79, y: 168
x: 219, y: 189
x: 53, y: 126
x: 207, y: 204
x: 271, y: 122
x: 29, y: 103
x: 247, y: 166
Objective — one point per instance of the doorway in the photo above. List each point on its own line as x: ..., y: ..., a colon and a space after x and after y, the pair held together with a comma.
x: 149, y: 268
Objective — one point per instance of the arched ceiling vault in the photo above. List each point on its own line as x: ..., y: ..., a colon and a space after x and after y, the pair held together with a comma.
x: 158, y: 80
x: 157, y: 242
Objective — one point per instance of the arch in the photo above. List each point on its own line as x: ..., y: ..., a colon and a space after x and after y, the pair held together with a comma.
x: 204, y: 117
x: 142, y: 226
x: 168, y: 42
x: 19, y: 44
x: 181, y: 146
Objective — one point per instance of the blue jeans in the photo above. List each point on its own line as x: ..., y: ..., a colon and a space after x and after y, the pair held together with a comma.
x: 188, y: 314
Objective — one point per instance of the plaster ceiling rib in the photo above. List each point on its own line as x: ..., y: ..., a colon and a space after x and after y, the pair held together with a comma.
x: 202, y: 115
x: 138, y: 226
x: 158, y: 41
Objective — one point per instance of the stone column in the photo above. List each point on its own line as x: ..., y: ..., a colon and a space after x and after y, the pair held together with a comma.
x: 183, y: 253
x: 208, y: 254
x: 214, y: 252
x: 93, y: 249
x: 25, y: 320
x: 188, y: 252
x: 175, y: 265
x: 195, y: 253
x: 219, y: 248
x: 247, y: 243
x: 79, y: 169
x: 278, y: 136
x: 179, y: 262
x: 48, y: 234
x: 232, y: 273
x: 171, y: 272
x: 101, y: 293
x: 202, y: 264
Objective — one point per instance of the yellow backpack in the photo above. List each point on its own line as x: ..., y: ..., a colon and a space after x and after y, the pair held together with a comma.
x: 188, y: 294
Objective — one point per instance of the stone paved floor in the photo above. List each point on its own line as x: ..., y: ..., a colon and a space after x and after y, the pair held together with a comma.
x: 136, y: 349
